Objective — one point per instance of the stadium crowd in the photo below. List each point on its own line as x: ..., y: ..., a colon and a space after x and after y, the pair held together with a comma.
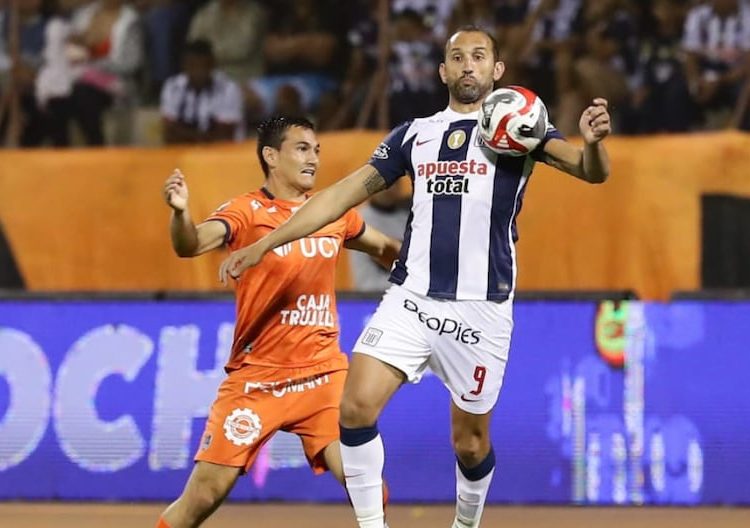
x: 216, y: 68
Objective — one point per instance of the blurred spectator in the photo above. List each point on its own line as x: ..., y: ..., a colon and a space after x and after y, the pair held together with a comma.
x: 165, y: 23
x: 236, y: 30
x: 54, y: 83
x: 510, y: 33
x: 388, y: 212
x: 606, y: 64
x: 103, y: 53
x: 717, y: 42
x: 414, y: 88
x: 362, y: 38
x: 549, y: 39
x: 201, y: 104
x: 305, y: 56
x: 661, y: 98
x: 435, y: 14
x: 480, y: 13
x: 504, y: 19
x: 32, y: 19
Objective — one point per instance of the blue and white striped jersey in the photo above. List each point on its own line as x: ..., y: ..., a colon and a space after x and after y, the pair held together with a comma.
x: 460, y: 237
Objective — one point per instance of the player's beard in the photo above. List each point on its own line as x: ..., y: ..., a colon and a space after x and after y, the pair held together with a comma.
x: 471, y: 93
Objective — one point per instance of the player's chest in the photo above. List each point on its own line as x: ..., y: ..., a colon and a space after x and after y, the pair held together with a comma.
x: 453, y: 163
x: 322, y: 247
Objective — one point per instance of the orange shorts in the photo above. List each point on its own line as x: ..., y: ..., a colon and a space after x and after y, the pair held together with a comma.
x: 249, y: 409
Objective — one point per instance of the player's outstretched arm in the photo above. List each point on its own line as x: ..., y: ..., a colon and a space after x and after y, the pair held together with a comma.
x: 189, y: 240
x: 322, y: 209
x: 382, y: 248
x: 591, y: 163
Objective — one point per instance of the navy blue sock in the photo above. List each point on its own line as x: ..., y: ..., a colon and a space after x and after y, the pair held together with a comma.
x: 357, y: 436
x: 479, y: 471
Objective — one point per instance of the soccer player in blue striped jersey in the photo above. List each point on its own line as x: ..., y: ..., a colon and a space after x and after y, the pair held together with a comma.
x: 450, y: 308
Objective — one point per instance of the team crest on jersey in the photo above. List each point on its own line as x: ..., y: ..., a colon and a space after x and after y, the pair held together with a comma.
x: 456, y: 139
x: 242, y: 427
x: 371, y: 336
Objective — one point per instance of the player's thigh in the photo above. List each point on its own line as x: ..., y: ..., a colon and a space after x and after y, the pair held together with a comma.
x: 242, y: 419
x: 395, y: 336
x: 370, y: 383
x: 312, y: 413
x: 471, y: 351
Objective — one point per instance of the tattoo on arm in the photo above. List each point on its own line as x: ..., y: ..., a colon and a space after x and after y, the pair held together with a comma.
x: 374, y: 182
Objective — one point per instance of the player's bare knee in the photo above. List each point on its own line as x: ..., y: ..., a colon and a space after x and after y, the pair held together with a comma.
x: 471, y: 447
x: 203, y: 495
x: 357, y: 412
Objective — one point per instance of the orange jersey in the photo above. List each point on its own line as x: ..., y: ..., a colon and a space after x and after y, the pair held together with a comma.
x: 286, y: 306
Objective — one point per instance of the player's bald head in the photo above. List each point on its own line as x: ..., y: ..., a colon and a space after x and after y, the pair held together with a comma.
x: 475, y: 33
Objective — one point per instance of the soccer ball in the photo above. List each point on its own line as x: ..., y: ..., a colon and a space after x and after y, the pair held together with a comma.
x: 512, y: 121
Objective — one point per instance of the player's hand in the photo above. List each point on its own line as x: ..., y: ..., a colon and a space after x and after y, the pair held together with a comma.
x: 238, y: 261
x: 595, y: 122
x: 176, y: 191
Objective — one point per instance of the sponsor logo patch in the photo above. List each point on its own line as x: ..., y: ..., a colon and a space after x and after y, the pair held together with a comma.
x: 242, y: 427
x: 444, y: 326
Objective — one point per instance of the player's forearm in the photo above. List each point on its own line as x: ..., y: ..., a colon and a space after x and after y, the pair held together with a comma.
x: 183, y: 233
x: 320, y: 210
x: 390, y: 251
x: 595, y: 163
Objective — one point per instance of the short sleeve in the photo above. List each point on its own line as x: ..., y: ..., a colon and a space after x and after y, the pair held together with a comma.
x: 236, y: 215
x: 551, y: 133
x: 355, y: 224
x: 390, y: 158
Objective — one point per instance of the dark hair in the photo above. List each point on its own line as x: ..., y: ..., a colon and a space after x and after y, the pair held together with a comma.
x: 198, y: 48
x: 471, y: 28
x: 272, y: 133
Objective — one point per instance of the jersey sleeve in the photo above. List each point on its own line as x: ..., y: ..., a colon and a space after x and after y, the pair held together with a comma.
x: 390, y: 158
x: 236, y: 215
x: 551, y: 133
x: 355, y: 224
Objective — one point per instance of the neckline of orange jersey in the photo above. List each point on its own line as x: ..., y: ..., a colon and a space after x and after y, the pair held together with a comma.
x: 283, y: 203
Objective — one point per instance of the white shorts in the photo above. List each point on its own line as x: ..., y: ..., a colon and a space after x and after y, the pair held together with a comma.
x: 465, y: 343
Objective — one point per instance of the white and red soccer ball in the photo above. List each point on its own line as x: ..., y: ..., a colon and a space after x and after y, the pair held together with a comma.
x: 512, y: 121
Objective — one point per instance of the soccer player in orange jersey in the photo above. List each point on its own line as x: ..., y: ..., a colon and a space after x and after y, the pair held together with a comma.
x: 286, y: 371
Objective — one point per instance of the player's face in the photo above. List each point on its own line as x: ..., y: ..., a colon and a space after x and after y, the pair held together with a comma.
x: 470, y: 69
x: 298, y: 158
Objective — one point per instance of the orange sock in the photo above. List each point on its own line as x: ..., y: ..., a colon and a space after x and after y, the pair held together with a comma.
x: 162, y: 523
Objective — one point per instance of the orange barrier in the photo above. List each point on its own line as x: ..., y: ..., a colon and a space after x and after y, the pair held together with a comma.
x: 94, y: 220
